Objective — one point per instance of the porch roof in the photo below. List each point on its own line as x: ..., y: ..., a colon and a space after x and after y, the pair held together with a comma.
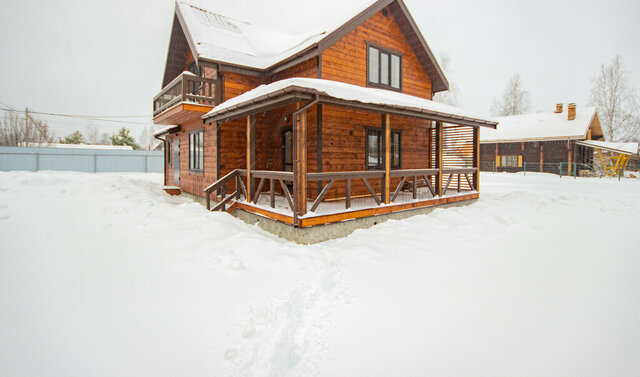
x: 286, y: 91
x: 622, y: 148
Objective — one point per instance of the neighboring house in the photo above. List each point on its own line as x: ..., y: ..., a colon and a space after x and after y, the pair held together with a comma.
x: 543, y: 142
x: 316, y: 128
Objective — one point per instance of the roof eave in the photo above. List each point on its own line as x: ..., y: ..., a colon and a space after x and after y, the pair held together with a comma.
x: 236, y: 111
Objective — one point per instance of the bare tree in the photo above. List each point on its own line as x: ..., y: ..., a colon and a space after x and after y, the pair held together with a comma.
x: 451, y: 96
x: 515, y: 100
x: 15, y: 130
x: 94, y: 136
x: 616, y: 102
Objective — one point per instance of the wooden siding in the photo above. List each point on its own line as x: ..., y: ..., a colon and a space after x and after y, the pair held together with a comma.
x: 346, y: 60
x: 307, y: 68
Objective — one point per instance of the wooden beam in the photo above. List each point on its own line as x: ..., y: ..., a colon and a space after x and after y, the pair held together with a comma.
x: 251, y: 151
x: 387, y: 158
x: 319, y: 141
x: 301, y: 163
x: 476, y: 158
x: 439, y: 135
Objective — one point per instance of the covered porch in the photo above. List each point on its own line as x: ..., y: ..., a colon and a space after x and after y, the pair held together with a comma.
x: 442, y: 167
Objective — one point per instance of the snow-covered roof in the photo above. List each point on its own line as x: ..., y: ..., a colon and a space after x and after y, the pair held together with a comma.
x: 351, y: 93
x: 222, y: 39
x: 165, y: 130
x: 225, y: 39
x: 624, y: 148
x: 541, y: 126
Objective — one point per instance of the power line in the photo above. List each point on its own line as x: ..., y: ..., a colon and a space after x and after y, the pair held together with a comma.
x: 87, y: 117
x: 83, y: 118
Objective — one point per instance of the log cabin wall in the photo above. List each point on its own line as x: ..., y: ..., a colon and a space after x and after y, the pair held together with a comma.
x: 550, y: 153
x: 307, y: 68
x: 346, y: 60
x: 194, y: 182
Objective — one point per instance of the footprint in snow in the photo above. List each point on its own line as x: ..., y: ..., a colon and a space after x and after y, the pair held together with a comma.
x: 237, y: 265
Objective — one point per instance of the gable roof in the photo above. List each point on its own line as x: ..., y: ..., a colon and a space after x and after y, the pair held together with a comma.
x: 343, y: 94
x: 541, y: 126
x: 217, y: 38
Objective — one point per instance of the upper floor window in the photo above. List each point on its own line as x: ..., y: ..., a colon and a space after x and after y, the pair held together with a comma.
x: 196, y: 150
x: 384, y: 68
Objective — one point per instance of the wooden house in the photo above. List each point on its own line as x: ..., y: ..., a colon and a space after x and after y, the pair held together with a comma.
x: 543, y: 142
x: 313, y: 129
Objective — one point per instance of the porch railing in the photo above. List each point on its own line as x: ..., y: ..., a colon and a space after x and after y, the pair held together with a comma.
x: 187, y: 87
x: 409, y: 178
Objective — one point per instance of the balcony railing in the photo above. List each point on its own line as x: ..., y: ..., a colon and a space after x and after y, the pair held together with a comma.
x: 187, y: 87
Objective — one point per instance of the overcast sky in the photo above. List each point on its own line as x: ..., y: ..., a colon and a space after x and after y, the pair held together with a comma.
x: 107, y: 57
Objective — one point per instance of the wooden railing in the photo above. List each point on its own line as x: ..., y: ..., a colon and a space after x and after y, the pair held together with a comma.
x: 418, y: 176
x: 349, y: 176
x: 221, y: 186
x: 459, y: 172
x: 411, y: 178
x: 272, y: 176
x: 187, y: 87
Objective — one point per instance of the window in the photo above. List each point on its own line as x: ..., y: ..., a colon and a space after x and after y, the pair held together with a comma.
x: 384, y: 68
x: 196, y: 151
x: 167, y: 148
x: 510, y: 161
x: 374, y: 149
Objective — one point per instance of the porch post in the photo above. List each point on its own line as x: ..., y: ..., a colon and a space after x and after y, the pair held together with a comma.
x: 301, y: 162
x: 439, y: 157
x: 476, y: 157
x: 251, y: 151
x: 387, y: 158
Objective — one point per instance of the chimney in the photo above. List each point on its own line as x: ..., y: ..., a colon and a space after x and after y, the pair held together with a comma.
x: 571, y: 111
x: 559, y: 108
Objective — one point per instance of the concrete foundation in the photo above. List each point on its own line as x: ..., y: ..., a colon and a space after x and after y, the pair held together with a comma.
x: 320, y: 233
x: 327, y: 232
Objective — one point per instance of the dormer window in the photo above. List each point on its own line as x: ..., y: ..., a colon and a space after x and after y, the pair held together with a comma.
x: 384, y: 68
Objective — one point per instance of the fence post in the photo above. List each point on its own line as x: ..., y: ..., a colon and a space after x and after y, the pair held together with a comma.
x: 560, y: 169
x: 37, y: 161
x: 525, y: 167
x: 493, y: 167
x: 619, y: 172
x: 95, y: 162
x: 145, y: 162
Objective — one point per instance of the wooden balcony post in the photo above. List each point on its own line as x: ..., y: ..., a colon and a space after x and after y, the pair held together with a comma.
x: 439, y: 135
x: 476, y: 157
x: 387, y: 158
x: 251, y: 151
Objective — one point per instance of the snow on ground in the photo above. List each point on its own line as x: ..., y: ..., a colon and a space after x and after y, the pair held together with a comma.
x: 105, y: 275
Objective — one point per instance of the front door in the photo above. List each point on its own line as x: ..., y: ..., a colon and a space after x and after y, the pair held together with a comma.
x: 176, y: 161
x: 287, y: 149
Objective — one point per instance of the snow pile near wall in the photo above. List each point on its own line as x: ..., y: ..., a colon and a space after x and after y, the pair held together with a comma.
x: 106, y: 275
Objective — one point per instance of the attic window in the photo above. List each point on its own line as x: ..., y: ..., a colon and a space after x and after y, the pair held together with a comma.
x: 385, y: 12
x: 384, y: 68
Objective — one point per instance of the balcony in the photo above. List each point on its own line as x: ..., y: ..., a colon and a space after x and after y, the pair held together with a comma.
x: 196, y: 94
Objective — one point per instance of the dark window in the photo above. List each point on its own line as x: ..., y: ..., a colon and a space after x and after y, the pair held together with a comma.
x: 196, y: 150
x: 384, y: 68
x: 375, y: 149
x: 167, y: 148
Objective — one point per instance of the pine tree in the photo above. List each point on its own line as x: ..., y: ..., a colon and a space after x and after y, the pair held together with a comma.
x: 74, y: 138
x: 123, y: 137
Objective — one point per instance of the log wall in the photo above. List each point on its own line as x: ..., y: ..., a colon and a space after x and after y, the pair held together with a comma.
x: 346, y: 60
